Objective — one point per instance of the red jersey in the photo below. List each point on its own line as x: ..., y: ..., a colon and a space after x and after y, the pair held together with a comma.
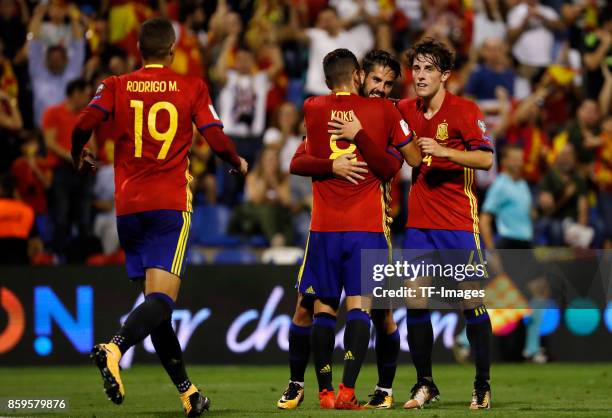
x: 105, y: 142
x: 339, y: 205
x: 151, y: 112
x: 443, y: 194
x: 62, y: 121
x: 31, y: 189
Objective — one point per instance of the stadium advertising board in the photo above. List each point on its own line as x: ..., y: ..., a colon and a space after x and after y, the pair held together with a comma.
x: 225, y: 314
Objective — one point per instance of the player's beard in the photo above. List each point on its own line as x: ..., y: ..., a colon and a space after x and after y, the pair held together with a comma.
x: 376, y: 93
x: 362, y: 92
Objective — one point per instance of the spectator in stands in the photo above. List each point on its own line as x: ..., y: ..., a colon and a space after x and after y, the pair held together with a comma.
x: 284, y: 134
x: 266, y: 209
x: 495, y: 70
x: 526, y: 131
x: 32, y: 174
x: 56, y: 30
x: 603, y: 179
x: 105, y: 220
x: 562, y: 197
x: 286, y: 138
x: 242, y: 104
x: 51, y: 69
x: 597, y: 50
x: 583, y: 133
x: 18, y: 241
x: 531, y: 30
x: 14, y: 19
x: 330, y: 33
x: 242, y: 101
x: 10, y: 124
x: 447, y: 23
x: 70, y: 193
x: 118, y: 61
x: 489, y: 21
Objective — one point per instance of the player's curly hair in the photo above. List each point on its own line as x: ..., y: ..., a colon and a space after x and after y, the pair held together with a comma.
x: 382, y: 58
x: 338, y: 66
x: 156, y: 38
x: 436, y: 52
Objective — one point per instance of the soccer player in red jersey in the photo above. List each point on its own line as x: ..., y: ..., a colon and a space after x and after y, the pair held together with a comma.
x: 379, y: 70
x: 152, y: 111
x: 339, y: 230
x: 442, y: 208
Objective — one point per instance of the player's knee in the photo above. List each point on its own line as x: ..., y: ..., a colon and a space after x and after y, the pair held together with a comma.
x: 302, y: 316
x: 417, y: 303
x: 327, y: 305
x: 383, y: 321
x: 161, y: 281
x: 358, y: 302
x: 163, y: 301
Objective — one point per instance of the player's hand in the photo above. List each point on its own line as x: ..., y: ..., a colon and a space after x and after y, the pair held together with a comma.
x: 345, y: 129
x: 348, y: 168
x: 87, y: 162
x: 431, y: 147
x: 242, y: 170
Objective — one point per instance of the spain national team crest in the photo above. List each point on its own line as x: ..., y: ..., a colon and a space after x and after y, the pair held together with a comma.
x: 442, y: 132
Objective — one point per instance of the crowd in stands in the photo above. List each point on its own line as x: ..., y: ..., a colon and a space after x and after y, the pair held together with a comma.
x: 540, y: 70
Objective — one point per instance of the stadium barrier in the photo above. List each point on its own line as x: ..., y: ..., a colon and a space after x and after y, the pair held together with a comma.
x: 225, y: 315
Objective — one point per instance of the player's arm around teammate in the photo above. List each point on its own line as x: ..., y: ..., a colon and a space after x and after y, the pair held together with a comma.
x: 382, y: 162
x: 344, y: 167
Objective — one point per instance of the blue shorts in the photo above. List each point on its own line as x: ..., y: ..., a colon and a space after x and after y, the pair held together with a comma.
x: 333, y: 262
x: 154, y: 239
x: 443, y: 246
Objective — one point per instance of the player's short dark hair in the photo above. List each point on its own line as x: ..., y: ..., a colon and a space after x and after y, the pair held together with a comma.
x: 440, y: 55
x: 338, y: 66
x: 156, y: 38
x: 76, y: 85
x: 382, y: 58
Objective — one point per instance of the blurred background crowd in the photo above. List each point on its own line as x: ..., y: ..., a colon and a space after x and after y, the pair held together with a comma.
x: 540, y: 70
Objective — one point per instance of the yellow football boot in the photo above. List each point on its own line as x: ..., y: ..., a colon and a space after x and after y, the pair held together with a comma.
x: 292, y: 397
x: 380, y: 399
x: 193, y: 402
x: 106, y: 357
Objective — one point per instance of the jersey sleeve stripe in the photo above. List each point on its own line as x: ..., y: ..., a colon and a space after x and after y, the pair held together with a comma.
x: 484, y: 148
x: 208, y: 125
x: 395, y: 153
x: 406, y: 142
x: 100, y: 108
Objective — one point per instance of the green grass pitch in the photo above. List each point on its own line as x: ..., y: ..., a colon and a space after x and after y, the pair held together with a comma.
x: 553, y: 390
